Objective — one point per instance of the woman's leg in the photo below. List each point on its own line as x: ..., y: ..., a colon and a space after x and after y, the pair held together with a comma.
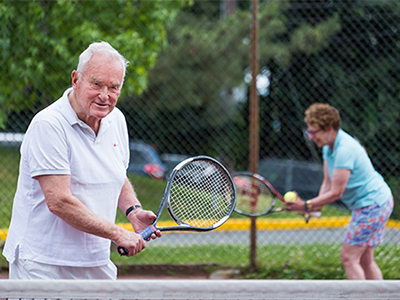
x: 365, y: 231
x: 350, y: 257
x: 371, y: 269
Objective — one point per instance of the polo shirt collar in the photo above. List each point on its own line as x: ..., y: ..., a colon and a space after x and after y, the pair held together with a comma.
x: 67, y: 110
x: 337, y: 140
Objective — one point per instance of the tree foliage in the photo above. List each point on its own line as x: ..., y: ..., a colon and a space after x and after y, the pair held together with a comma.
x: 205, y: 63
x: 40, y: 42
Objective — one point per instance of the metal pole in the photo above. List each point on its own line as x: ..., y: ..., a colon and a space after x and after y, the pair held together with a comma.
x: 254, y: 122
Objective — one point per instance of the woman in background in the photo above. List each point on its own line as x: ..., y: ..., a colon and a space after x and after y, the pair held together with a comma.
x: 350, y: 176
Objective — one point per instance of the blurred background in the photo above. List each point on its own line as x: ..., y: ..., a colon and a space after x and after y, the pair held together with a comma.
x: 187, y: 93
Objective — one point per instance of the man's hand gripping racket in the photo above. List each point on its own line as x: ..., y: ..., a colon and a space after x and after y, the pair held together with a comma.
x: 199, y: 196
x: 256, y: 196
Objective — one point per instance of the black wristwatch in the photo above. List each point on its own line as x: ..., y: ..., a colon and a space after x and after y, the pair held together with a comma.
x: 132, y: 208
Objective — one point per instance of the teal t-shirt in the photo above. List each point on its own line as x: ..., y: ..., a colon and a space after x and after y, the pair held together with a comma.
x: 365, y: 186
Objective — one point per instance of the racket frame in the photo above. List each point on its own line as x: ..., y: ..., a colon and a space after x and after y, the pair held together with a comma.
x: 275, y: 194
x: 278, y: 195
x: 165, y: 202
x: 182, y: 226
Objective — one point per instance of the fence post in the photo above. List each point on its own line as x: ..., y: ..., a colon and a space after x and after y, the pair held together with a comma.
x: 254, y: 122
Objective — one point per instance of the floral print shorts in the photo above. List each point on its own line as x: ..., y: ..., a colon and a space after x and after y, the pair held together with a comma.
x: 367, y: 224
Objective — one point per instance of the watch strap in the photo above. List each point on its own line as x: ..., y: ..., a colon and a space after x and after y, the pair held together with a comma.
x: 133, y: 207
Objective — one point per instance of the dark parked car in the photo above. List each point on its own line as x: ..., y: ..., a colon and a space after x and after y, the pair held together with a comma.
x: 304, y: 177
x: 145, y: 161
x: 171, y: 160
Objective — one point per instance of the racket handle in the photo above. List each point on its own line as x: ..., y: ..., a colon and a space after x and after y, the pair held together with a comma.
x: 145, y: 233
x: 315, y: 214
x: 122, y: 251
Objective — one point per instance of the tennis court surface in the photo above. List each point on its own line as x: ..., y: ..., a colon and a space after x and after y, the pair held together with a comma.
x: 199, y: 289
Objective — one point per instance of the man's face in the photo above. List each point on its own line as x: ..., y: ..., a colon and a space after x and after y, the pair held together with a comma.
x: 97, y: 89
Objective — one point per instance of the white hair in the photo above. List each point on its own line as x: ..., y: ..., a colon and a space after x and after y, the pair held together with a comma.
x: 100, y: 47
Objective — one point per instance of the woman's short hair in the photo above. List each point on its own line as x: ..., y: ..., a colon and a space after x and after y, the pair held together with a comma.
x: 322, y: 115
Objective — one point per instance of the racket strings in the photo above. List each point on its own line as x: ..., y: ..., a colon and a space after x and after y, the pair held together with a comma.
x: 201, y: 194
x: 253, y: 195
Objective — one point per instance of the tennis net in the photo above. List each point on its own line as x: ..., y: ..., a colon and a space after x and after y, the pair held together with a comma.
x: 199, y: 289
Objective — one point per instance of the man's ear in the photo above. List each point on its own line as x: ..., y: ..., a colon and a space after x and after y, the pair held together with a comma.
x: 74, y: 76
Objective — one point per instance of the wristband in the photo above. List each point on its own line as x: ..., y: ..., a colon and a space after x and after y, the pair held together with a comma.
x: 132, y: 208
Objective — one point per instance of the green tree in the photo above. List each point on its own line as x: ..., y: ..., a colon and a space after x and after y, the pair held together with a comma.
x: 40, y: 42
x: 207, y: 58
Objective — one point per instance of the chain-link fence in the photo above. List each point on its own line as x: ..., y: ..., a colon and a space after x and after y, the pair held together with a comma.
x: 190, y: 96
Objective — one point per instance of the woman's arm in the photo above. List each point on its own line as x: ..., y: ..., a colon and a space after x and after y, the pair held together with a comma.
x: 330, y: 190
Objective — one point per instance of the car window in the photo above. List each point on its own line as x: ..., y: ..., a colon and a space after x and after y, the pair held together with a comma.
x: 153, y: 156
x: 138, y: 156
x: 285, y: 175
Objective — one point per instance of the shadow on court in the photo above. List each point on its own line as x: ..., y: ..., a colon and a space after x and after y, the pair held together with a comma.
x: 195, y: 271
x: 198, y: 271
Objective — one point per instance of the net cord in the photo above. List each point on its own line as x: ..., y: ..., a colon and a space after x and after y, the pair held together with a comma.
x: 200, y: 289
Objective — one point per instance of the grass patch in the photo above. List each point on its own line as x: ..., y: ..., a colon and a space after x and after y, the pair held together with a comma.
x: 9, y: 163
x: 316, y: 261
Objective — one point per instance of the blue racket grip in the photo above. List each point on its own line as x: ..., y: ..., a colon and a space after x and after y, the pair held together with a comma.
x: 145, y: 233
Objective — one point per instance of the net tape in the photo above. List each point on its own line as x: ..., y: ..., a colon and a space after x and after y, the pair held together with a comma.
x: 200, y: 289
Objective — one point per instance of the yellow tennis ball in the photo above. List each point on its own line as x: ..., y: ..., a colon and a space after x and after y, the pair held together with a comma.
x: 290, y: 196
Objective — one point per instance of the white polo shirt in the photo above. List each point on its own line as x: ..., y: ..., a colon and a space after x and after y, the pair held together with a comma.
x: 57, y: 142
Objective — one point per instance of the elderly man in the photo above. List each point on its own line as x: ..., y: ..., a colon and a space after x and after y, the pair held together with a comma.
x: 72, y: 179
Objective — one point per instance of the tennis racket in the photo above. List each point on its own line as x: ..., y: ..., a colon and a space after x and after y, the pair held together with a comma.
x: 199, y: 196
x: 256, y: 196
